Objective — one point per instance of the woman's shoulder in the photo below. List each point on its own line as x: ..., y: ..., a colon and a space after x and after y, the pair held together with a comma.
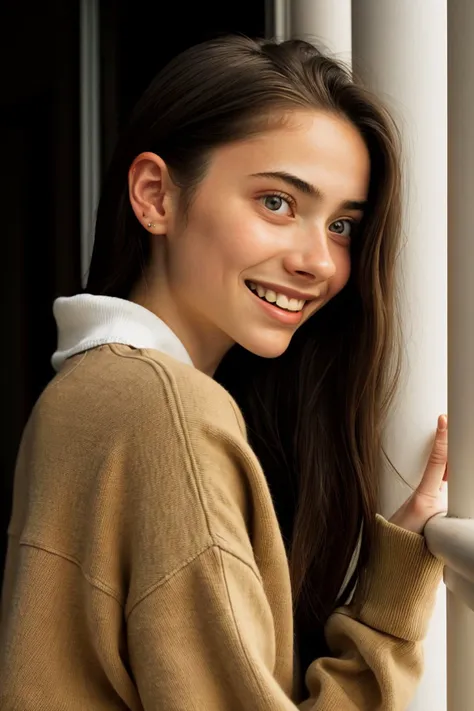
x: 123, y: 381
x: 151, y: 445
x: 161, y: 420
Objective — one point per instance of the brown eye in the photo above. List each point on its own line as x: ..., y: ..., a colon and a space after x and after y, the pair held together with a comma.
x: 277, y: 204
x: 342, y: 227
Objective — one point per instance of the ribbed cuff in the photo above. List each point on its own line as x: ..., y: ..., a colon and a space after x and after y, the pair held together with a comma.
x: 401, y: 583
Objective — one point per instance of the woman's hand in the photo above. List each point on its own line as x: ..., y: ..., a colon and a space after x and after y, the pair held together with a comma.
x: 427, y: 500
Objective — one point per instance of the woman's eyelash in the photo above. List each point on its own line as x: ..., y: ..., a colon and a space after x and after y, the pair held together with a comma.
x: 288, y: 199
x: 284, y: 196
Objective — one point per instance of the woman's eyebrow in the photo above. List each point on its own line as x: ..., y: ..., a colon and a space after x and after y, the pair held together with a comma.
x: 304, y: 187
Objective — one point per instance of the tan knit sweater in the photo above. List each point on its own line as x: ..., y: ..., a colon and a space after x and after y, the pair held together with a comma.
x: 146, y: 569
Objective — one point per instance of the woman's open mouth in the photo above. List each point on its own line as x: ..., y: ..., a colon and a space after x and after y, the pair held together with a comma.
x: 278, y: 306
x: 272, y: 297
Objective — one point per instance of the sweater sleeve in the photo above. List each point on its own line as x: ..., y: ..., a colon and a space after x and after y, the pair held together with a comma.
x: 205, y: 638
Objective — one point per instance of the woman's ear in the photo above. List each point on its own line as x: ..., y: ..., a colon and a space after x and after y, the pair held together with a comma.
x: 150, y: 188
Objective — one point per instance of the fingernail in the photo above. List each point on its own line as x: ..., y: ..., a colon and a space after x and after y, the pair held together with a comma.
x: 442, y: 423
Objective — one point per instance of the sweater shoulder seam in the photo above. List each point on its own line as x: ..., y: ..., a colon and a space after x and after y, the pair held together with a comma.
x: 218, y: 547
x: 93, y: 580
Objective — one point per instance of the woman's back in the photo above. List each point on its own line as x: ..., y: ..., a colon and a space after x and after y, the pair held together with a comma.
x: 133, y: 466
x: 145, y: 566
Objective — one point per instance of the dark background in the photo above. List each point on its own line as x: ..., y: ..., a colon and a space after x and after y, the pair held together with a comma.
x: 39, y: 173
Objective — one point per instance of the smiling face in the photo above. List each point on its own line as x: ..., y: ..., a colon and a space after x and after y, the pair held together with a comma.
x: 266, y: 241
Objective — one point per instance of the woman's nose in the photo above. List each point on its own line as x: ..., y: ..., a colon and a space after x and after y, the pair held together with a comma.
x: 313, y: 260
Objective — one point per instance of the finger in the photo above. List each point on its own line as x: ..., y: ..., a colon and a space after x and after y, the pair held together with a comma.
x: 446, y: 473
x: 435, y: 471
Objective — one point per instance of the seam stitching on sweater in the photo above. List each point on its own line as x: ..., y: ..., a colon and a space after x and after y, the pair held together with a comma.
x: 224, y: 546
x: 229, y: 551
x: 171, y: 389
x: 95, y: 582
x: 166, y: 578
x: 242, y: 646
x: 151, y: 589
x: 239, y: 425
x: 61, y: 378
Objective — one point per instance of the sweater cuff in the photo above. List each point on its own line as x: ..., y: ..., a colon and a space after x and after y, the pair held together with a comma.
x: 401, y: 583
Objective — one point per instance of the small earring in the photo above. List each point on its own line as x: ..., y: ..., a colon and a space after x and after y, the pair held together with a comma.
x: 151, y: 224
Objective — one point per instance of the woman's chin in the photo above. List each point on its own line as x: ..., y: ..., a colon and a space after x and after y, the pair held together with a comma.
x: 271, y: 345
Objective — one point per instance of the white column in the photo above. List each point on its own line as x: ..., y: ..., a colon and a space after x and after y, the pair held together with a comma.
x: 401, y: 49
x: 90, y: 126
x: 325, y: 23
x: 461, y: 328
x: 277, y: 19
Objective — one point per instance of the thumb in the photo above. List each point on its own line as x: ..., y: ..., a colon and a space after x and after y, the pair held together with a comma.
x: 436, y: 468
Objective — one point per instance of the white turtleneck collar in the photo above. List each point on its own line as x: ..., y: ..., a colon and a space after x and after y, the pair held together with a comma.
x: 86, y: 321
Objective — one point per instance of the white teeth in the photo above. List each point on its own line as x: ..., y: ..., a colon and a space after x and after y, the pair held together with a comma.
x: 280, y: 299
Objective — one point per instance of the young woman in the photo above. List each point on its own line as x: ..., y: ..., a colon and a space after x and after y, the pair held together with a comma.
x: 195, y: 496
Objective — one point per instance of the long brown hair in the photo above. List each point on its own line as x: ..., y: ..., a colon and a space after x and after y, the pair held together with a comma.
x: 314, y: 414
